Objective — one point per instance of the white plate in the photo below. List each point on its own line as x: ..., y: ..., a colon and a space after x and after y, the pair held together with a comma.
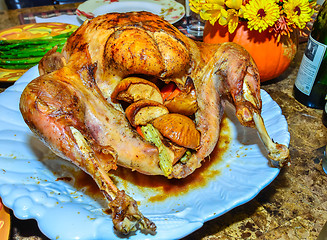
x: 170, y: 10
x: 30, y: 187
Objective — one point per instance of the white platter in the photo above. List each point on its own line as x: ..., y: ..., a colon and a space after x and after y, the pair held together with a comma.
x: 170, y: 10
x: 29, y: 182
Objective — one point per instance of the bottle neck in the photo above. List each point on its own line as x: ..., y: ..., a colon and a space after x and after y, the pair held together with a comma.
x: 319, y: 28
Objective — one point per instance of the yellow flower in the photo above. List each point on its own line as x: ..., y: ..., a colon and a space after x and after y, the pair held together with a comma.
x: 229, y: 17
x: 298, y: 12
x: 261, y: 14
x: 208, y: 9
x: 282, y: 16
x: 234, y: 4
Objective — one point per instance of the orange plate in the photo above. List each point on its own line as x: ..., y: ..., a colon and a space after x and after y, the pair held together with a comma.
x: 11, y: 75
x: 4, y: 222
x: 28, y: 31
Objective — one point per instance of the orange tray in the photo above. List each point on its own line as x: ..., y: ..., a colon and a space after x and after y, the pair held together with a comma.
x: 4, y: 222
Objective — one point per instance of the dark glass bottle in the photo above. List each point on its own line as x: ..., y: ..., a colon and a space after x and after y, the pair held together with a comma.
x: 324, y: 116
x: 310, y: 86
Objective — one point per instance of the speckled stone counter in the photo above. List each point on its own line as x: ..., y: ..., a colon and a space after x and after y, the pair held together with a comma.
x: 293, y: 206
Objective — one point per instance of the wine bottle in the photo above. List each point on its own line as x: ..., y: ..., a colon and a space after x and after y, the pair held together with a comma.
x: 324, y: 116
x: 310, y: 86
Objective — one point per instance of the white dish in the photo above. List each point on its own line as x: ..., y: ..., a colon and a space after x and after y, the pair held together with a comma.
x: 30, y: 187
x: 170, y: 10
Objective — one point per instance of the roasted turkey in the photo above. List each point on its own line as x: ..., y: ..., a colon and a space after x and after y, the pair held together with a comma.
x: 131, y: 90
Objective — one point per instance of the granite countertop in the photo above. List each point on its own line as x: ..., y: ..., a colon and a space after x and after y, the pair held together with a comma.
x: 293, y: 206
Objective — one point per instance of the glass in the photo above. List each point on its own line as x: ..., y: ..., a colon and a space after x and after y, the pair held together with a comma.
x: 194, y: 23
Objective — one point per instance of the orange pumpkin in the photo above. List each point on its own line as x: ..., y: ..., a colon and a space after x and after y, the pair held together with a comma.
x: 272, y: 57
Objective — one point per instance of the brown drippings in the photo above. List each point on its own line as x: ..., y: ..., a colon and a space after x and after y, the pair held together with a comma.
x: 163, y: 187
x: 87, y: 184
x: 174, y: 187
x: 80, y: 180
x: 65, y: 179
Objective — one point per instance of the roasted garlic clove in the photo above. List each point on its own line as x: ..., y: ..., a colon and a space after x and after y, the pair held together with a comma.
x: 179, y: 129
x: 144, y: 111
x: 133, y: 89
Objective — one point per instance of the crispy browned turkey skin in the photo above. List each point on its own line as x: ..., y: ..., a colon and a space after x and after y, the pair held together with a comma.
x: 73, y: 107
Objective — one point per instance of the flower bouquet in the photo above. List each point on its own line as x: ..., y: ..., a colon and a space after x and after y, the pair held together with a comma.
x: 263, y: 21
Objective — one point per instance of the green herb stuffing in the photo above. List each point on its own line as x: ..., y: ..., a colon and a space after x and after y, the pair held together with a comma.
x: 152, y: 135
x: 186, y: 156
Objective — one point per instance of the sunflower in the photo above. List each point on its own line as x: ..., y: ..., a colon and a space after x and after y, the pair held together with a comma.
x: 261, y: 14
x: 298, y: 12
